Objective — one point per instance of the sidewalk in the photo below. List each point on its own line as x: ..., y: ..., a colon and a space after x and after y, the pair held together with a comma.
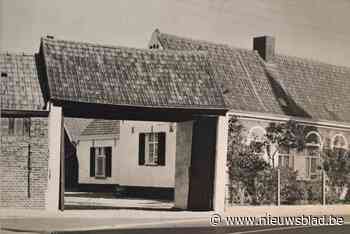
x: 40, y: 221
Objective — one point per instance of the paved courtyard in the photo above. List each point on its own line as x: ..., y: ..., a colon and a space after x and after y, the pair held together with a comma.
x: 108, y: 201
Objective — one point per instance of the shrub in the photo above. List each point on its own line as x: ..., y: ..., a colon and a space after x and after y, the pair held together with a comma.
x: 292, y: 190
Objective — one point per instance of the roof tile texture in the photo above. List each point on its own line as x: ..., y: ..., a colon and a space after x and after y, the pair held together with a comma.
x: 83, y: 72
x: 285, y: 85
x: 102, y: 127
x: 20, y: 88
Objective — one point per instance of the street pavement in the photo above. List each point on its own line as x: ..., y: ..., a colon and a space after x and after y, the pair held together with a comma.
x: 159, y: 221
x: 143, y: 226
x: 222, y: 230
x: 199, y: 228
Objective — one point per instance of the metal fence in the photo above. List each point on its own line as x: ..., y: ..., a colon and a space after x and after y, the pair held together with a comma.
x: 283, y: 186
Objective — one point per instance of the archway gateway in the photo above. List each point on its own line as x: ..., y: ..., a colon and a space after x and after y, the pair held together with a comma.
x: 102, y: 82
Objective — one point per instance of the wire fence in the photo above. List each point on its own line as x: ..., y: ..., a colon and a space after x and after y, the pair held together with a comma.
x: 283, y: 186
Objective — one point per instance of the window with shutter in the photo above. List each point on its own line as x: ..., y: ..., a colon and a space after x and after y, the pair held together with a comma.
x: 152, y: 149
x: 101, y: 162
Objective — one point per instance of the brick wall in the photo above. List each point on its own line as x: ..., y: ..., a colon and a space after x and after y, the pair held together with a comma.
x: 24, y: 164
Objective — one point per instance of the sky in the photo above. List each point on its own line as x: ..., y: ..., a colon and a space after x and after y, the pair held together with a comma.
x: 316, y: 29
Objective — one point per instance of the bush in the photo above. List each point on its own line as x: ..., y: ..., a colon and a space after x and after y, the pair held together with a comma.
x: 292, y: 190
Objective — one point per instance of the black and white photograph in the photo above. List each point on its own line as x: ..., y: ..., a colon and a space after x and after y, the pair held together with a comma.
x: 174, y: 116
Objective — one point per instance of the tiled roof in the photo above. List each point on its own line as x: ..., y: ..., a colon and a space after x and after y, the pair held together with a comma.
x: 285, y: 85
x: 321, y: 89
x: 20, y: 88
x: 91, y: 73
x: 102, y: 127
x: 75, y: 127
x: 239, y: 71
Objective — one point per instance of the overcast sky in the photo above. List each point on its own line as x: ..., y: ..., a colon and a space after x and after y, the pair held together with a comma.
x: 317, y: 29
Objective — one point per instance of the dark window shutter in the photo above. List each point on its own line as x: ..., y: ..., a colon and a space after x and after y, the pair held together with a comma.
x: 108, y: 151
x: 161, y: 150
x: 92, y: 161
x: 141, y: 149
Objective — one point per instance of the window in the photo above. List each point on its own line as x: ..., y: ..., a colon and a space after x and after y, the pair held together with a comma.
x: 100, y: 162
x: 313, y: 154
x: 152, y: 149
x: 256, y: 139
x: 339, y: 144
x: 283, y: 157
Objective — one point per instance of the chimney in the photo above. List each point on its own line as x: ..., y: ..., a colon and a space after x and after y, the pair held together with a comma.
x: 265, y: 46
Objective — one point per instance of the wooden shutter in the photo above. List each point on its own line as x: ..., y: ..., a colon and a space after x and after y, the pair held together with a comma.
x: 92, y: 161
x: 161, y: 149
x: 141, y: 149
x: 108, y: 151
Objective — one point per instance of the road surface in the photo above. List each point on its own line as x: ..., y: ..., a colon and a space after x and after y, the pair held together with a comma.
x: 344, y: 229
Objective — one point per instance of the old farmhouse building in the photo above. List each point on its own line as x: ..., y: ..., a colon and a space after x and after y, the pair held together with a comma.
x: 196, y: 84
x: 261, y: 86
x: 127, y: 153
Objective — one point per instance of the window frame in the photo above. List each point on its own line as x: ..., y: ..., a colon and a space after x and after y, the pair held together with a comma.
x: 311, y: 159
x: 158, y: 141
x: 339, y: 148
x: 257, y: 139
x: 155, y: 143
x: 284, y: 157
x: 100, y: 156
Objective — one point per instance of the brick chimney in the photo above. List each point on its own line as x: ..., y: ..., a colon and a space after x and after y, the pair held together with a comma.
x: 265, y: 46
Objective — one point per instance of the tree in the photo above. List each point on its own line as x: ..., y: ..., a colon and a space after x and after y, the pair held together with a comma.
x: 287, y: 135
x: 243, y: 163
x: 336, y: 164
x: 250, y: 174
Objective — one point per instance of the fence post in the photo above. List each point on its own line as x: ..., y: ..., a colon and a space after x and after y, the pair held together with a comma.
x: 278, y: 187
x: 323, y: 188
